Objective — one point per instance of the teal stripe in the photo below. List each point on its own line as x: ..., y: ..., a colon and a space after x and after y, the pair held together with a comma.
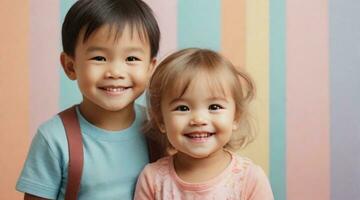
x: 277, y: 99
x: 199, y: 24
x: 69, y: 92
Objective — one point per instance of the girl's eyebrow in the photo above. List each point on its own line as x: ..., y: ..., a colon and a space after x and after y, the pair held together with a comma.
x: 175, y: 100
x: 212, y: 98
x: 217, y: 98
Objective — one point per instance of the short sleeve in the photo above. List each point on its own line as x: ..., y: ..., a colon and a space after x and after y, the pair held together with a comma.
x: 42, y: 172
x: 257, y: 186
x: 145, y: 185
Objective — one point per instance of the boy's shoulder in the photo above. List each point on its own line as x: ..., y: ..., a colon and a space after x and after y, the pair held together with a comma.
x: 53, y: 128
x: 53, y: 131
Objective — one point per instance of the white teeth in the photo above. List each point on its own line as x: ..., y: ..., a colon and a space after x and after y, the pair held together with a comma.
x: 201, y: 135
x: 115, y: 89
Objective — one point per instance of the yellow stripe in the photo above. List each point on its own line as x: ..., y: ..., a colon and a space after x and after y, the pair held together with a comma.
x: 257, y: 64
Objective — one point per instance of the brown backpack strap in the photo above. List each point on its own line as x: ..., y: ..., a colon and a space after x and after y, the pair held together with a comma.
x: 76, y: 156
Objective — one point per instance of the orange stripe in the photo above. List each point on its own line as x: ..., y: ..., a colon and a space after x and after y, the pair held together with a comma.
x: 308, y: 154
x: 233, y: 31
x: 14, y: 95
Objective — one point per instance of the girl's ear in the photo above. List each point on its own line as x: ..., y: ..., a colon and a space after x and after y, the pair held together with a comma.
x: 236, y: 122
x: 162, y: 128
x: 235, y: 126
x: 67, y: 63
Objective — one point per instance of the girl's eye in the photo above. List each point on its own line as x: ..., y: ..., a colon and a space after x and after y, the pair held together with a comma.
x: 99, y: 58
x: 182, y: 108
x: 132, y: 59
x: 215, y: 107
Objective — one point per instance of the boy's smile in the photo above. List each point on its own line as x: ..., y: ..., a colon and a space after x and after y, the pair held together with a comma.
x: 111, y: 69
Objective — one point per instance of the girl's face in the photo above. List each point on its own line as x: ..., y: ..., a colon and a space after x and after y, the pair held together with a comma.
x: 201, y: 121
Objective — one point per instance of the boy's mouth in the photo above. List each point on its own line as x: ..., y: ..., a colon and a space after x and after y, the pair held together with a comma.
x: 114, y: 89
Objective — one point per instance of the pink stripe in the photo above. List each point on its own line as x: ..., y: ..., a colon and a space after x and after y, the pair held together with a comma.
x: 308, y: 162
x: 44, y: 61
x: 166, y: 15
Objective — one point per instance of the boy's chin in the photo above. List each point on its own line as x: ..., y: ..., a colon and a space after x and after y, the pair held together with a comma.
x: 117, y: 108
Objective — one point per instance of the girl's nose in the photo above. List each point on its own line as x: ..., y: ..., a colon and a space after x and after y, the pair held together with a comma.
x: 198, y: 120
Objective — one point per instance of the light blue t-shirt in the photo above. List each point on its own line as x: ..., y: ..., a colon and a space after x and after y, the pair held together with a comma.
x: 112, y: 161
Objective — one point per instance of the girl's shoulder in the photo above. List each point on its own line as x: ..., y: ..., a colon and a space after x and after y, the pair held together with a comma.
x: 253, y: 179
x: 159, y: 168
x: 245, y: 169
x: 241, y: 163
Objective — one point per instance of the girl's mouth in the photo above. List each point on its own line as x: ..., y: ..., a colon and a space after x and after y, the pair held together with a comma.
x: 199, y: 136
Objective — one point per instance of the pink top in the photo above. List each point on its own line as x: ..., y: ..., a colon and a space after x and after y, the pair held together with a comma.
x: 241, y: 180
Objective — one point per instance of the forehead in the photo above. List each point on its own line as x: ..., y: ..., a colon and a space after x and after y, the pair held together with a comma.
x: 200, y: 86
x: 108, y: 35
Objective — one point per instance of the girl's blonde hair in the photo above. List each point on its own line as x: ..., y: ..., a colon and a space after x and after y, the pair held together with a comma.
x: 174, y: 75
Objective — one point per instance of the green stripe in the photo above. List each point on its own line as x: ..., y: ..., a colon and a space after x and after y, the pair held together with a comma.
x: 277, y: 99
x: 199, y: 24
x: 69, y: 92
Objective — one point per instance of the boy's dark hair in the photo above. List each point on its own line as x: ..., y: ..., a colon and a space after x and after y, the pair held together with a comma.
x: 92, y: 14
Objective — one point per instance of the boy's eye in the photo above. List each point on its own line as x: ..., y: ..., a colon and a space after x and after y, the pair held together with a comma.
x: 182, y: 108
x: 215, y: 107
x: 99, y: 58
x: 132, y: 59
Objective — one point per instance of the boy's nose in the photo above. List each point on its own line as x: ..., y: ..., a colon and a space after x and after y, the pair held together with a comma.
x: 115, y: 72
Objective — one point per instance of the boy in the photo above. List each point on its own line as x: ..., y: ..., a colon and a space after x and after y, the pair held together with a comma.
x: 109, y: 48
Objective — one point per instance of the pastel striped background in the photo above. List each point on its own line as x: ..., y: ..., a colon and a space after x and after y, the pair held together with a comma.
x: 303, y: 54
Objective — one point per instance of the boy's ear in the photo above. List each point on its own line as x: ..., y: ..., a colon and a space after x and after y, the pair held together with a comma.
x: 152, y: 65
x: 67, y: 63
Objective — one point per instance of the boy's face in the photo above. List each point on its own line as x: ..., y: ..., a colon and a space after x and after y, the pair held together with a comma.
x: 111, y: 73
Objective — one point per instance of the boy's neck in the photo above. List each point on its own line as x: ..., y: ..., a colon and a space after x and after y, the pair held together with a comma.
x: 196, y: 170
x: 108, y: 120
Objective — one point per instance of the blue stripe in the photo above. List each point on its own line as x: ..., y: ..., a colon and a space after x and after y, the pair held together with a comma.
x: 345, y: 98
x: 199, y: 24
x: 277, y: 99
x: 69, y: 92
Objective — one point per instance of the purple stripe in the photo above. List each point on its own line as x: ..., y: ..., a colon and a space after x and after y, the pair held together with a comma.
x: 44, y: 61
x: 166, y: 15
x: 345, y: 98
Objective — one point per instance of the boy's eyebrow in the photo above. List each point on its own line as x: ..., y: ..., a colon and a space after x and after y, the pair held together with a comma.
x: 96, y: 48
x: 136, y: 49
x: 129, y: 49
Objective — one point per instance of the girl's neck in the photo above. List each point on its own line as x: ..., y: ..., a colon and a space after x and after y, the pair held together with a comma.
x: 108, y: 120
x: 196, y: 170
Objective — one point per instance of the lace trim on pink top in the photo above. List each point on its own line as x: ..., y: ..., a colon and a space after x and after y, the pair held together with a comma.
x: 233, y: 166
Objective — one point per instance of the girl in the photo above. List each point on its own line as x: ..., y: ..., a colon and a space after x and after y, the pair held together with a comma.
x: 198, y: 101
